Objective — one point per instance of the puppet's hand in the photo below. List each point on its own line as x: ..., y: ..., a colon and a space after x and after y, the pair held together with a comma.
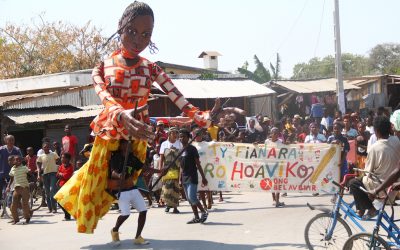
x: 136, y: 128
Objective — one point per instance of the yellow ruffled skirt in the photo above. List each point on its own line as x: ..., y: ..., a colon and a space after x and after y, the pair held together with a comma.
x: 84, y: 195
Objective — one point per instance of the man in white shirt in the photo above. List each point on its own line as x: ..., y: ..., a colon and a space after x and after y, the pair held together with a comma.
x: 382, y: 159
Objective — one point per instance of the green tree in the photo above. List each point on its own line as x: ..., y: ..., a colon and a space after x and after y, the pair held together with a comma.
x: 352, y: 65
x: 277, y: 68
x: 385, y: 58
x: 261, y: 74
x: 46, y: 48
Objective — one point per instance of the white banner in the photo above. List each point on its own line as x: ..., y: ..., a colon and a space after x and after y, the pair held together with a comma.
x: 286, y: 168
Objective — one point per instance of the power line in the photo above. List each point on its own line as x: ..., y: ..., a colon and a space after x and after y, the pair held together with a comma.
x: 320, y: 26
x: 290, y: 31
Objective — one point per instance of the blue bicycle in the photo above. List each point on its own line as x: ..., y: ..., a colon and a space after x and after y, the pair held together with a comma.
x: 329, y: 229
x: 375, y: 240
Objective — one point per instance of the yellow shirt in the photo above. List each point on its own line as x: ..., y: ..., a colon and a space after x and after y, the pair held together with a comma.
x: 213, y: 131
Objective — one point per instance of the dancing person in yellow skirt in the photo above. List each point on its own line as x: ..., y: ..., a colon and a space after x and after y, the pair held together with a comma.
x: 123, y: 79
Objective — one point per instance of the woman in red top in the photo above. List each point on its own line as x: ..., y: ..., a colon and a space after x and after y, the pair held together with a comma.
x: 65, y: 171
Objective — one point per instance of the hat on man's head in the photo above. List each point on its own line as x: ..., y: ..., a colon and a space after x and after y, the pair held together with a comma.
x: 173, y: 129
x: 160, y: 123
x: 266, y: 119
x: 395, y: 119
x: 297, y: 116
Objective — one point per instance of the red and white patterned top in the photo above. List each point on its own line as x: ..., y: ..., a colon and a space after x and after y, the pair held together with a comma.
x: 119, y: 87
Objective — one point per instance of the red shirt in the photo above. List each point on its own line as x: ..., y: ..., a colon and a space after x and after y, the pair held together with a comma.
x: 64, y: 173
x: 31, y: 162
x: 69, y: 143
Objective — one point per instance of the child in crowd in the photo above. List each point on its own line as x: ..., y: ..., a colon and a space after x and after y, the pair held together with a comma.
x: 199, y: 139
x: 274, y: 140
x: 19, y: 178
x: 128, y: 191
x: 338, y: 138
x: 157, y: 169
x: 65, y: 171
x: 30, y: 160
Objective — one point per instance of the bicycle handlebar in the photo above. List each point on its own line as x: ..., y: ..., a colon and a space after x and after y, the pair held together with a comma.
x: 345, y: 179
x: 373, y: 175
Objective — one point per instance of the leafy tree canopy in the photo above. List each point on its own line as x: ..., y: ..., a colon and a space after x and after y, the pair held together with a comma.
x: 382, y: 59
x: 49, y: 47
x: 261, y: 74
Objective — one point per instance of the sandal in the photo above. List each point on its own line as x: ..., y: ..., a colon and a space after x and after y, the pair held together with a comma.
x: 193, y: 221
x: 203, y: 217
x: 369, y: 216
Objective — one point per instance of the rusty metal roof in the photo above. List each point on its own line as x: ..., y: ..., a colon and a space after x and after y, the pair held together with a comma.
x: 44, y: 115
x: 321, y: 85
x: 72, y: 96
x: 198, y: 89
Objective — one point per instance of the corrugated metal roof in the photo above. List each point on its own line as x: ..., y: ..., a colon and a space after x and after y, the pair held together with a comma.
x: 17, y: 98
x: 198, y: 89
x: 35, y: 116
x: 75, y: 96
x: 45, y: 82
x: 322, y: 85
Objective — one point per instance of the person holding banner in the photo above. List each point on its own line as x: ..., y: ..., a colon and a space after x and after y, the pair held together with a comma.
x: 314, y: 136
x: 274, y: 140
x: 338, y: 138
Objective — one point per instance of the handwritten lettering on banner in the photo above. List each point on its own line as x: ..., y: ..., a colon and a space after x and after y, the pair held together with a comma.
x: 272, y: 168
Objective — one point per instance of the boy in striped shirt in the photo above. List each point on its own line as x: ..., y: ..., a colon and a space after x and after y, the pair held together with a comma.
x: 19, y: 175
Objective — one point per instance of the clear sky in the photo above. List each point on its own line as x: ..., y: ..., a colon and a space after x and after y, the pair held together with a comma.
x: 297, y: 29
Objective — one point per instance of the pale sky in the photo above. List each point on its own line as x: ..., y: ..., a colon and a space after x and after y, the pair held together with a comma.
x: 296, y: 29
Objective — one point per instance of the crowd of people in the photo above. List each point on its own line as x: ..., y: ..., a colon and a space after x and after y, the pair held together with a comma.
x: 160, y: 156
x: 21, y: 171
x: 52, y: 171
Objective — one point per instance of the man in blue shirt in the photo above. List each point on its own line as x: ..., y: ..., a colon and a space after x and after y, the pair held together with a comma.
x: 5, y: 152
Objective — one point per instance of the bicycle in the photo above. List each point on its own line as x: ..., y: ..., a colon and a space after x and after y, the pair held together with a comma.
x: 374, y: 240
x: 35, y: 196
x: 5, y: 204
x: 329, y: 229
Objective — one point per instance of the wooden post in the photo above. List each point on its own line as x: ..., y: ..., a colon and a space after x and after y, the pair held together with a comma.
x: 165, y: 107
x: 245, y: 105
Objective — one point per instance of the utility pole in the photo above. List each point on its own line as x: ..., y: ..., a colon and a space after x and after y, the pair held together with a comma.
x: 338, y: 62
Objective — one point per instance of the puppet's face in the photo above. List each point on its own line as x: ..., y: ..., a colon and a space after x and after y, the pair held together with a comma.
x: 137, y: 34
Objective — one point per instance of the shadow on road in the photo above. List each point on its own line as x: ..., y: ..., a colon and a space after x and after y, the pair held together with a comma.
x: 191, y: 244
x: 33, y: 221
x: 222, y: 224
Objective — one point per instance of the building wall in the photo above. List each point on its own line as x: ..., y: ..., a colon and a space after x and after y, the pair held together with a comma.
x: 265, y: 105
x: 176, y: 71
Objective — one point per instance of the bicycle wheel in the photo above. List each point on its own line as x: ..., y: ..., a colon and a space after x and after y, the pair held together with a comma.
x: 317, y: 229
x: 36, y: 198
x: 366, y: 241
x: 6, y: 207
